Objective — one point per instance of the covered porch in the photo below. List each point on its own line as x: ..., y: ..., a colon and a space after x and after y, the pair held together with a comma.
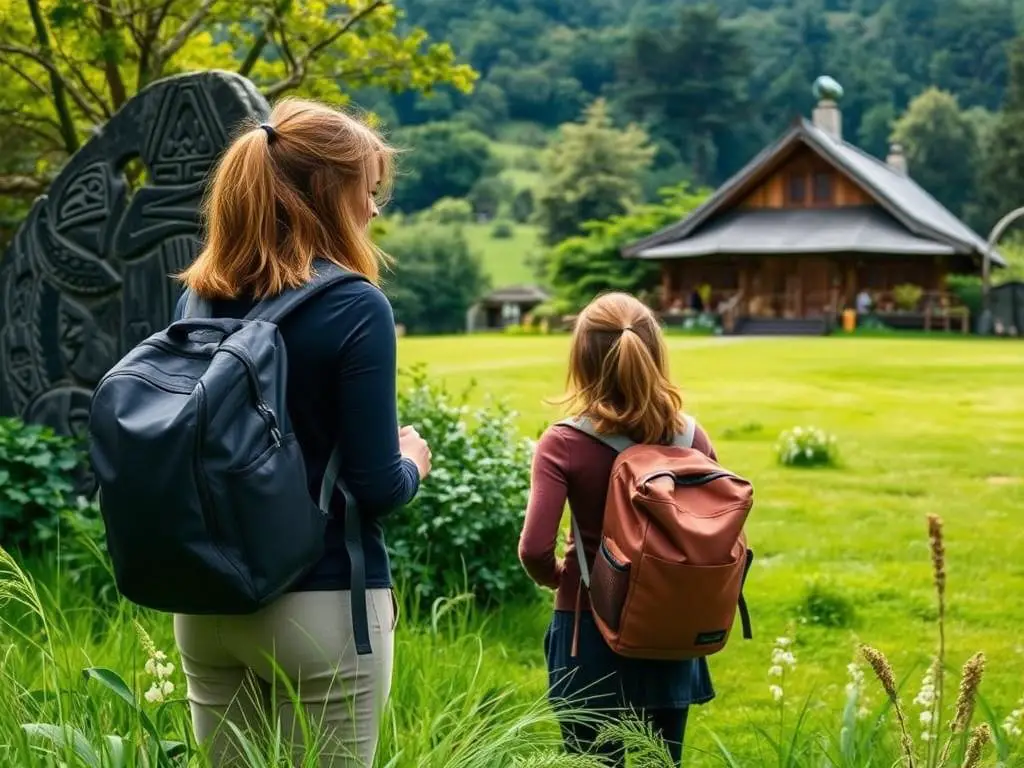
x: 784, y: 265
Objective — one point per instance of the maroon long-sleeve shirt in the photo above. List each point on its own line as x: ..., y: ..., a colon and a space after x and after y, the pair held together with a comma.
x: 569, y: 465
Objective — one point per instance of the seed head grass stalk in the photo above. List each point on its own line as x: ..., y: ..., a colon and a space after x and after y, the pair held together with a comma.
x: 938, y: 552
x: 883, y: 671
x: 973, y: 671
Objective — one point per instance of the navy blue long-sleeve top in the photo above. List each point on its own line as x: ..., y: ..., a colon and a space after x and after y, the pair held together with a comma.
x: 342, y: 359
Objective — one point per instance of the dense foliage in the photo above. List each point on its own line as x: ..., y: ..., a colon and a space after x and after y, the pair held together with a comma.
x: 436, y: 277
x: 68, y: 65
x: 713, y: 83
x: 37, y: 470
x: 459, y: 533
x: 439, y: 160
x: 592, y: 172
x: 585, y: 265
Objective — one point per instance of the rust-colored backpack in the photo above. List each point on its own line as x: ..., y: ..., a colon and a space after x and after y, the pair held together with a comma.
x: 668, y: 577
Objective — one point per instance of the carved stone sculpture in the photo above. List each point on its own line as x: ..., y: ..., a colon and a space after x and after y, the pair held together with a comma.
x: 87, y: 275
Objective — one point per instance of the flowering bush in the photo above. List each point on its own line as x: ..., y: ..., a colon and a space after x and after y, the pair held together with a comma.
x: 807, y: 447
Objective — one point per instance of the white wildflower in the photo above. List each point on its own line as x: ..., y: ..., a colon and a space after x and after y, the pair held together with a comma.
x: 157, y: 666
x: 1013, y: 725
x: 925, y: 699
x: 781, y: 660
x: 154, y: 695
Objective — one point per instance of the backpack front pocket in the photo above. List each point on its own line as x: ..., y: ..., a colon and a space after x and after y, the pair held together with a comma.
x: 609, y: 584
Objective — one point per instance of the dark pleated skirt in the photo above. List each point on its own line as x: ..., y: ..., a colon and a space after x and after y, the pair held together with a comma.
x: 599, y: 678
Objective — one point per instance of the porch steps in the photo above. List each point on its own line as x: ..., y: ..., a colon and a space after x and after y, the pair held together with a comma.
x: 778, y: 326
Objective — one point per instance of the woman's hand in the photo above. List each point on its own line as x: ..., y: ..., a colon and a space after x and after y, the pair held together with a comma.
x: 414, y: 447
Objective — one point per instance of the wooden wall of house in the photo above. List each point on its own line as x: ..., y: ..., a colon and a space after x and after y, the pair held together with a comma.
x: 798, y: 285
x: 806, y: 181
x: 884, y: 274
x: 680, y: 277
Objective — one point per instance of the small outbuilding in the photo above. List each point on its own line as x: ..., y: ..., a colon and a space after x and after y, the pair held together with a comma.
x: 504, y: 307
x: 1008, y: 308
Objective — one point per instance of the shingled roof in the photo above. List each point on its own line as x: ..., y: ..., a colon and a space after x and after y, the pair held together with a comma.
x: 924, y: 217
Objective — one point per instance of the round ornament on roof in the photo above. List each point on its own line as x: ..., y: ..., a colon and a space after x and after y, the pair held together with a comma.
x: 826, y: 87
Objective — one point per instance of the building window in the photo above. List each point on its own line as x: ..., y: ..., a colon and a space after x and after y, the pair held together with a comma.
x: 797, y: 189
x: 822, y: 188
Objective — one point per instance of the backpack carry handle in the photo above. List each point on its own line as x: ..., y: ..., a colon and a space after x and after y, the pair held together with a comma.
x: 180, y: 330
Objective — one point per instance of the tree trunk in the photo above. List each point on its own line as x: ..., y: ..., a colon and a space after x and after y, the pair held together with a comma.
x: 115, y: 84
x: 60, y: 101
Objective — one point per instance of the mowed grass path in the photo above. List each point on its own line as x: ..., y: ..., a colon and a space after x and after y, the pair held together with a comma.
x: 924, y: 426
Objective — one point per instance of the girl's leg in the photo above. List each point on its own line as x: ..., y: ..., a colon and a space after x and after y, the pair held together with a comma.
x: 670, y: 724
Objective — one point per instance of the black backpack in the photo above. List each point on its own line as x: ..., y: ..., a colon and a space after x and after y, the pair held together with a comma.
x: 202, y: 484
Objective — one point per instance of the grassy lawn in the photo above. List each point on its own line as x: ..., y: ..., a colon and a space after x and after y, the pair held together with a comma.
x: 506, y: 260
x: 924, y: 426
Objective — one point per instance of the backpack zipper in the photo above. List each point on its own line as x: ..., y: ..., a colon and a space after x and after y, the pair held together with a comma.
x: 688, y: 480
x: 265, y: 411
x: 262, y: 408
x: 202, y: 485
x: 149, y: 380
x: 612, y: 560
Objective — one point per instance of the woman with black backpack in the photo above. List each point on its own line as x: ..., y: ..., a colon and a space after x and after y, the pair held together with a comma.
x: 302, y: 187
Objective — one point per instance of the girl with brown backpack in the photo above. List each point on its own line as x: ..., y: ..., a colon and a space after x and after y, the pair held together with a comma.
x: 644, y: 489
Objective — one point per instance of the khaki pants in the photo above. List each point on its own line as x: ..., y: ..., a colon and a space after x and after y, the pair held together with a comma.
x: 254, y: 670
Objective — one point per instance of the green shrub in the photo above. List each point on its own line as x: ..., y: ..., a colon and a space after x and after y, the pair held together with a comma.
x: 38, y: 469
x: 450, y: 210
x: 489, y: 195
x: 907, y: 296
x: 807, y: 447
x: 502, y: 230
x: 436, y: 277
x: 462, y: 529
x: 825, y: 606
x: 522, y: 205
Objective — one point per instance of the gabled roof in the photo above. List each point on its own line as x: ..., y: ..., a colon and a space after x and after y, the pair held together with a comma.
x: 793, y: 231
x: 920, y: 213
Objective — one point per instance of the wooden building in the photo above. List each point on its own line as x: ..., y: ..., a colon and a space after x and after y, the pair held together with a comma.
x: 504, y: 306
x: 808, y: 226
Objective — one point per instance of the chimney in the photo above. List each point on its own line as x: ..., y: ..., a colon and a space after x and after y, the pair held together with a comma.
x: 827, y: 115
x: 897, y: 160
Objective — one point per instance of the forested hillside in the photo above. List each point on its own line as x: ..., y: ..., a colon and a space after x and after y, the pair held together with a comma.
x: 713, y: 83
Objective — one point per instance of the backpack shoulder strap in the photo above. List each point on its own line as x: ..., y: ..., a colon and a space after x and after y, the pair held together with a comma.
x: 325, y: 274
x: 195, y: 307
x: 617, y: 443
x: 685, y: 439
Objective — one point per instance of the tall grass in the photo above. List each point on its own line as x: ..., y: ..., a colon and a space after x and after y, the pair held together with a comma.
x: 73, y: 679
